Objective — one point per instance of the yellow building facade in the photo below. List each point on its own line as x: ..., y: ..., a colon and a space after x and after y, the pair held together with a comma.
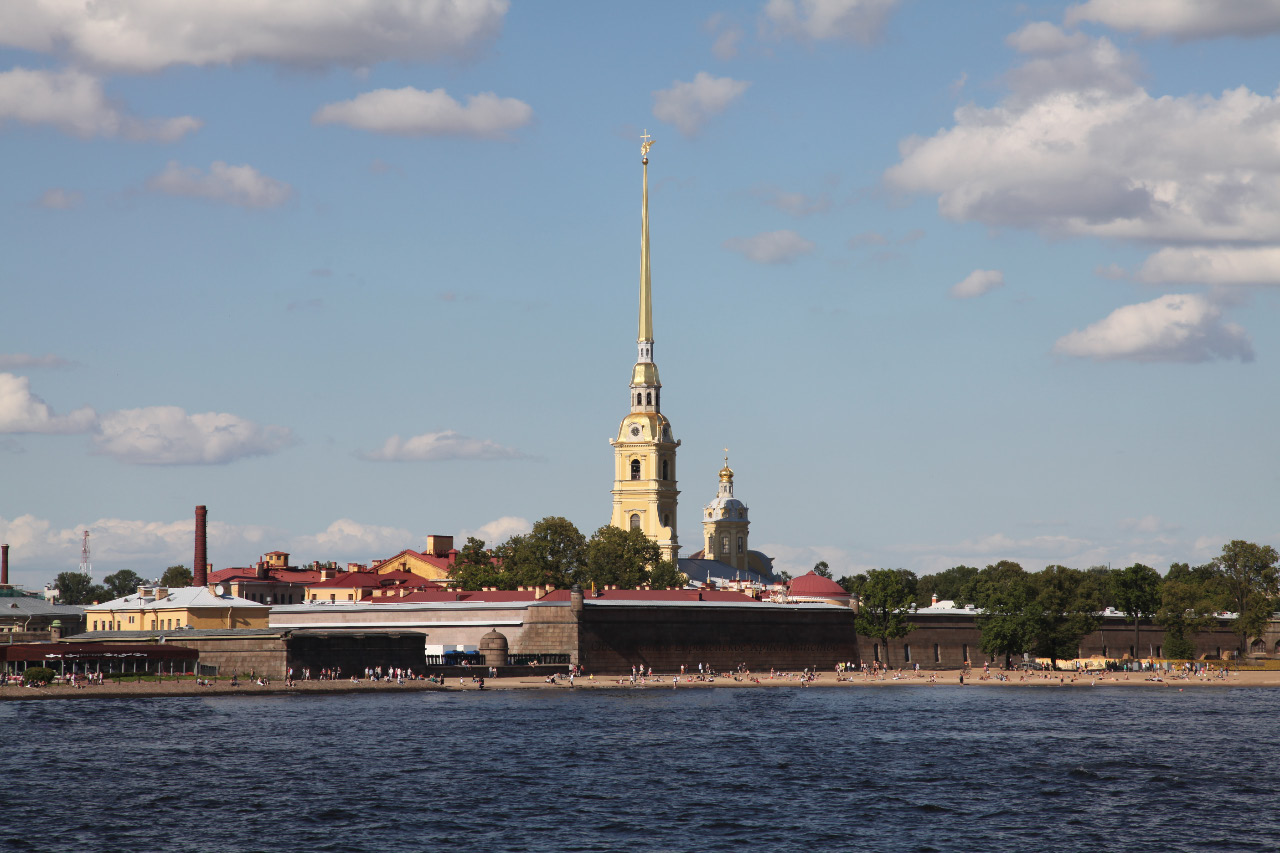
x: 644, y: 453
x: 161, y: 609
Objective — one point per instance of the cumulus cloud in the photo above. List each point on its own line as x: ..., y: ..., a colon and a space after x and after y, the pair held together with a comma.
x: 770, y: 247
x: 23, y: 361
x: 413, y: 112
x: 977, y: 283
x: 497, y: 531
x: 244, y: 185
x: 167, y: 435
x: 147, y: 35
x: 689, y: 105
x: 60, y: 199
x: 354, y: 541
x: 435, y: 446
x: 1101, y: 157
x: 23, y: 412
x: 1182, y: 19
x: 795, y: 203
x: 1172, y: 328
x: 1215, y: 266
x: 74, y: 102
x: 816, y: 20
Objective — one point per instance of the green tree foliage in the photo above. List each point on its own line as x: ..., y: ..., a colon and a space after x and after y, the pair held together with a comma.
x: 1189, y: 598
x: 1003, y: 593
x: 1136, y: 591
x: 38, y: 675
x: 619, y: 557
x: 176, y: 577
x: 77, y: 588
x: 553, y: 553
x: 1252, y: 582
x: 948, y: 585
x: 665, y: 575
x: 822, y: 569
x: 122, y: 583
x: 886, y: 599
x: 474, y: 568
x: 1097, y: 583
x: 853, y: 584
x: 1065, y: 610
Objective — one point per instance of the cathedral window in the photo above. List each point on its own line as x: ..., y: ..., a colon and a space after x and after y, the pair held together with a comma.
x: 666, y: 519
x: 648, y: 398
x: 741, y: 544
x: 724, y: 544
x: 664, y: 470
x: 639, y: 398
x: 635, y: 469
x: 635, y: 521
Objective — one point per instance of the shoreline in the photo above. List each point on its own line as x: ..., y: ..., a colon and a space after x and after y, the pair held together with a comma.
x: 187, y: 687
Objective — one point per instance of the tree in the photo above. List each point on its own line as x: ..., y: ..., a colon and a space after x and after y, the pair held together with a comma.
x: 619, y: 557
x: 666, y: 575
x: 887, y: 598
x: 77, y: 588
x: 783, y: 576
x: 948, y: 585
x: 853, y: 584
x: 176, y: 577
x: 552, y: 553
x: 473, y: 568
x: 1189, y: 600
x: 822, y: 569
x: 1136, y: 591
x: 122, y: 583
x: 1003, y: 593
x: 1065, y: 609
x: 1252, y: 582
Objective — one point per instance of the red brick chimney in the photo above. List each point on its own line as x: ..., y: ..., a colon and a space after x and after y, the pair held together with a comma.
x: 4, y: 565
x: 199, y: 570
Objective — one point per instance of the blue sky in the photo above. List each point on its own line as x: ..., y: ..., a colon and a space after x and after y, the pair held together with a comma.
x: 952, y: 285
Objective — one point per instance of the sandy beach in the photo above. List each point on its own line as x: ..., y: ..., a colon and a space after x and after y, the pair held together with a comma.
x: 925, y: 679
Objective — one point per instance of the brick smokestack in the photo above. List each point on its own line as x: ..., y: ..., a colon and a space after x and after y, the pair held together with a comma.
x: 201, y: 561
x: 4, y: 565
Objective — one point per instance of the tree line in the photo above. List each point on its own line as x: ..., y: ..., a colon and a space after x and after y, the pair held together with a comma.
x: 1048, y: 613
x: 78, y: 588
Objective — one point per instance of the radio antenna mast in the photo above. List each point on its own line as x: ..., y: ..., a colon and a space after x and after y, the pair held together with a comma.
x: 86, y: 568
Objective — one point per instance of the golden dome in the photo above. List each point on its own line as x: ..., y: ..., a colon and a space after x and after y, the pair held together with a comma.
x: 726, y: 474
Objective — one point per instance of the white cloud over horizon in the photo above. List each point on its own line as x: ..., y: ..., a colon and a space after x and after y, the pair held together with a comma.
x: 243, y: 186
x: 413, y: 112
x: 1171, y: 328
x: 1181, y: 19
x: 148, y: 35
x: 816, y: 20
x: 770, y: 247
x: 168, y: 435
x: 1219, y: 265
x: 977, y: 283
x: 689, y: 105
x: 495, y: 532
x: 74, y: 102
x: 437, y: 446
x: 21, y: 411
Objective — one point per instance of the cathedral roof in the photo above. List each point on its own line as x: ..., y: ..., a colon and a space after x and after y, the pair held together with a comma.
x: 814, y: 584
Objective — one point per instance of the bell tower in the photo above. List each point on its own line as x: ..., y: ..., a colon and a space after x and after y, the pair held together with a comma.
x: 644, y: 453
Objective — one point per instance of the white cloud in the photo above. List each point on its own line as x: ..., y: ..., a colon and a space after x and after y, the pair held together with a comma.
x: 239, y: 185
x: 977, y: 283
x: 352, y: 540
x: 1032, y: 553
x: 60, y: 199
x: 770, y: 247
x: 497, y: 531
x: 798, y: 560
x: 147, y: 35
x: 413, y: 112
x: 689, y: 105
x: 167, y: 435
x: 21, y: 411
x: 795, y: 203
x: 74, y: 102
x: 1173, y: 328
x: 23, y: 361
x: 1182, y: 19
x: 855, y: 20
x: 1214, y: 266
x: 435, y: 446
x: 1077, y: 148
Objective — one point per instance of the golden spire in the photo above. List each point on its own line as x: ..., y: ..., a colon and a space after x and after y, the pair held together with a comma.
x: 646, y: 298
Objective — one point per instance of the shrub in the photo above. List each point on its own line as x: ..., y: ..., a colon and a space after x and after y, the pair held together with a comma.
x: 38, y: 675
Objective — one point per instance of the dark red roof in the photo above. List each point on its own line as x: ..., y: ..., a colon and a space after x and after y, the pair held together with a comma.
x: 278, y: 575
x: 816, y: 585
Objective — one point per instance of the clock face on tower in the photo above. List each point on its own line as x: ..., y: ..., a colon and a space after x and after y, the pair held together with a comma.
x: 635, y: 430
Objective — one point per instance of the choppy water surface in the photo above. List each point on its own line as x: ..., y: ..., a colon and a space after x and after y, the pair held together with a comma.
x: 913, y: 769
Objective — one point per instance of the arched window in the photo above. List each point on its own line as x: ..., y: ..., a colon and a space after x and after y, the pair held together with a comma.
x: 741, y: 543
x: 635, y: 469
x: 724, y: 544
x: 648, y: 398
x: 639, y: 398
x: 664, y: 470
x: 666, y: 519
x: 635, y: 521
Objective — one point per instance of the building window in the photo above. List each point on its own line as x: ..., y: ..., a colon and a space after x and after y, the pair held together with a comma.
x: 964, y: 650
x: 666, y: 519
x: 906, y: 652
x: 648, y: 398
x: 741, y: 545
x: 130, y: 620
x: 937, y: 654
x: 724, y: 544
x: 664, y: 470
x: 95, y: 624
x: 635, y: 521
x: 875, y: 652
x: 639, y: 398
x: 1159, y: 651
x: 635, y: 469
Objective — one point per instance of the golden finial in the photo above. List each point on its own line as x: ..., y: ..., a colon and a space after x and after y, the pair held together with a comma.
x: 646, y: 145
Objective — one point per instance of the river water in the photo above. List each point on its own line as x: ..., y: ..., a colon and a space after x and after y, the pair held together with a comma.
x: 939, y: 768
